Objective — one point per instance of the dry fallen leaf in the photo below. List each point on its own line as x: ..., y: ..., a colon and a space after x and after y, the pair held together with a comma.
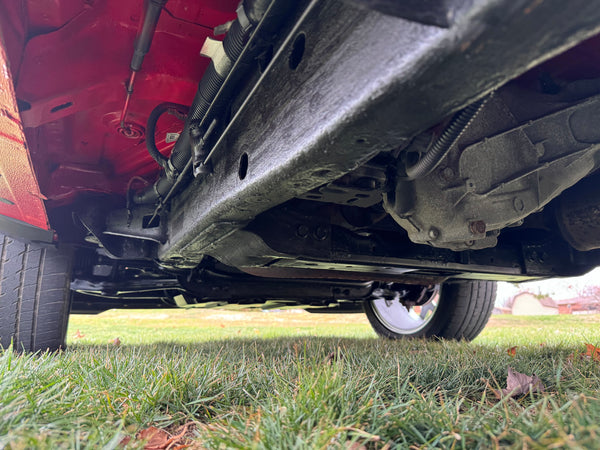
x: 116, y: 342
x: 512, y: 351
x: 78, y: 335
x: 349, y: 445
x: 592, y: 352
x: 519, y: 384
x: 157, y: 439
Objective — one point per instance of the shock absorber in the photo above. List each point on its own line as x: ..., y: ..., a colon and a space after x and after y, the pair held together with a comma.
x: 143, y: 41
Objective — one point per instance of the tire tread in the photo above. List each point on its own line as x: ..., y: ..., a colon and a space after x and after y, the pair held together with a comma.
x: 34, y: 295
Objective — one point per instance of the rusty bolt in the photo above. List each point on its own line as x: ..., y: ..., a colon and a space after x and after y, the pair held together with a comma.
x: 446, y: 174
x: 433, y: 233
x: 477, y: 227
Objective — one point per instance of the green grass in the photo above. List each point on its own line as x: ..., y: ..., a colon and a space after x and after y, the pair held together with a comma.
x: 196, y: 325
x: 287, y: 380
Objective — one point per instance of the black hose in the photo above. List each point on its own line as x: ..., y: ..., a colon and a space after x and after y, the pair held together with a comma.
x: 178, y: 160
x: 440, y: 148
x: 249, y: 15
x: 161, y: 159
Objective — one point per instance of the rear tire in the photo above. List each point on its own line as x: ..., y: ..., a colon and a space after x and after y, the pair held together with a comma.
x: 35, y: 295
x: 461, y: 312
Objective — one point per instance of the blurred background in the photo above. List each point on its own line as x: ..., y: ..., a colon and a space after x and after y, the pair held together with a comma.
x: 578, y: 295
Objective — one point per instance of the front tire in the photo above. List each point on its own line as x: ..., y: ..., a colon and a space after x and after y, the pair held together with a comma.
x: 454, y: 311
x: 34, y: 295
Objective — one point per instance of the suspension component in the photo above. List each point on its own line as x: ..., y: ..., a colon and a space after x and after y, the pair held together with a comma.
x: 143, y: 41
x: 440, y: 148
x: 203, y: 109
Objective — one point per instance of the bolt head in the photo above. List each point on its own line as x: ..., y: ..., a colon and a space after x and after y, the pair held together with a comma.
x: 477, y: 227
x: 302, y: 231
x: 320, y: 233
x: 433, y: 233
x: 446, y: 174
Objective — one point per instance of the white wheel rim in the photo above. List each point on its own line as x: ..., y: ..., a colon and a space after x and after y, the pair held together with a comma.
x: 405, y: 320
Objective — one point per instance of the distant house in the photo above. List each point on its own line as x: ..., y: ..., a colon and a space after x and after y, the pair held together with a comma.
x: 578, y: 305
x: 528, y: 304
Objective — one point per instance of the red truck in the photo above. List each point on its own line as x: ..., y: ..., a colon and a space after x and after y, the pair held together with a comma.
x: 392, y: 158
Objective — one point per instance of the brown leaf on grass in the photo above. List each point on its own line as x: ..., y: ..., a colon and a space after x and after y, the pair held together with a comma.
x: 512, y: 351
x: 78, y: 335
x: 592, y: 352
x: 519, y: 384
x: 157, y: 439
x: 116, y: 342
x: 349, y: 445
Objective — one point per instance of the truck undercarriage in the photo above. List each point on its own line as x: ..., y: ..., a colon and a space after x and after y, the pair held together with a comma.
x: 392, y: 156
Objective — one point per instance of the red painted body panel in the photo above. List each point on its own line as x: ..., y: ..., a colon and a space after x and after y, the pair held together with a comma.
x: 70, y: 60
x: 20, y: 197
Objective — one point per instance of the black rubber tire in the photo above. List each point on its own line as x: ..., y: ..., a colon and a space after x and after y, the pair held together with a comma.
x: 463, y: 311
x: 35, y: 295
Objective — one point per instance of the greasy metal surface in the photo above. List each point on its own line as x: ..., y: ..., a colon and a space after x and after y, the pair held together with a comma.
x: 254, y: 289
x: 20, y: 196
x: 329, y: 251
x: 362, y: 187
x: 433, y: 12
x: 366, y: 83
x: 499, y: 176
x: 578, y: 214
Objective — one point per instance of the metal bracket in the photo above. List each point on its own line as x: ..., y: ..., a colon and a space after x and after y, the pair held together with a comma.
x: 214, y: 50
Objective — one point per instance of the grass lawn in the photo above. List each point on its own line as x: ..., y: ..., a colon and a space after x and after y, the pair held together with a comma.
x: 298, y: 380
